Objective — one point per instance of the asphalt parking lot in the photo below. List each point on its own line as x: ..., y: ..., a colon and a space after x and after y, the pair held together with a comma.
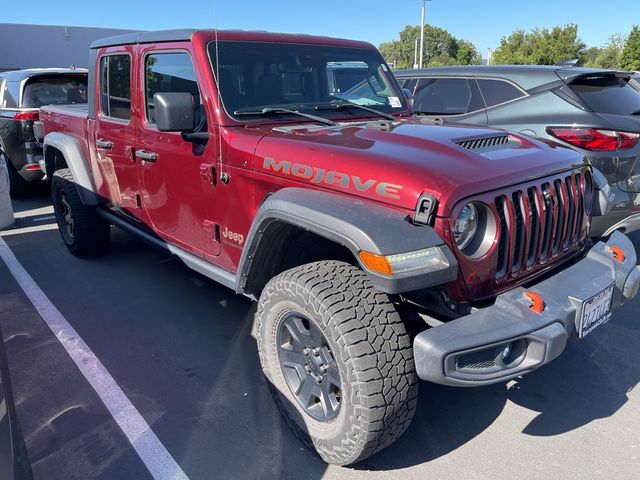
x: 180, y: 348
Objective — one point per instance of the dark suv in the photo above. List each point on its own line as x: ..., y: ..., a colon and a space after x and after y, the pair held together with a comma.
x: 595, y: 111
x: 22, y: 93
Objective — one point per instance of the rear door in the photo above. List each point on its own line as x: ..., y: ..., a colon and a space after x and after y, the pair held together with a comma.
x: 456, y: 99
x: 177, y: 176
x: 114, y: 129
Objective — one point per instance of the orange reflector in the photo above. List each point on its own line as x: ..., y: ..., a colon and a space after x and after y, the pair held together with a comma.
x: 376, y: 263
x: 618, y: 254
x: 537, y: 303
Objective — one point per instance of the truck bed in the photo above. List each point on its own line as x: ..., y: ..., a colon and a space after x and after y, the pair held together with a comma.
x: 70, y: 119
x: 77, y: 109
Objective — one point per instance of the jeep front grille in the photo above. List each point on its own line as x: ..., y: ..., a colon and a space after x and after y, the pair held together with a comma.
x: 540, y: 222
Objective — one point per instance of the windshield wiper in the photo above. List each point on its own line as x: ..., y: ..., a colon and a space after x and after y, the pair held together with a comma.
x: 346, y: 105
x: 637, y: 112
x: 277, y: 110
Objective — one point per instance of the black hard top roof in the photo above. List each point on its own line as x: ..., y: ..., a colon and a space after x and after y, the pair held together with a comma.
x: 145, y: 37
x: 238, y: 35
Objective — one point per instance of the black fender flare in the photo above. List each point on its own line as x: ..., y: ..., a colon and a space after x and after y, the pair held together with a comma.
x: 356, y: 224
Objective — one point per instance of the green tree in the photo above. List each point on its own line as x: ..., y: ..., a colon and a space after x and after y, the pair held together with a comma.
x: 467, y: 54
x: 609, y: 56
x: 590, y: 57
x: 440, y: 48
x: 630, y: 58
x: 540, y: 46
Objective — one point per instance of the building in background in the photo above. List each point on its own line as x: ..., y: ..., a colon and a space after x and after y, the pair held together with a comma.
x: 31, y: 46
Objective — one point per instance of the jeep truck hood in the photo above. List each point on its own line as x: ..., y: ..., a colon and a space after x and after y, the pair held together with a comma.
x: 394, y: 164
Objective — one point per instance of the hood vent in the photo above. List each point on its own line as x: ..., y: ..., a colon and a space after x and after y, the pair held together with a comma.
x: 484, y: 142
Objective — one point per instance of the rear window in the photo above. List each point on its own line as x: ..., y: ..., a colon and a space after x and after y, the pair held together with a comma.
x: 608, y: 94
x: 58, y: 90
x: 496, y: 92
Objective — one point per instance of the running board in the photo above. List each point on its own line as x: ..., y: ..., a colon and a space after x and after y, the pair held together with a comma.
x: 216, y: 274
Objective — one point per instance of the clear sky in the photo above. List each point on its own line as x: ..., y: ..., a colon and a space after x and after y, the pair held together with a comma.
x: 376, y: 21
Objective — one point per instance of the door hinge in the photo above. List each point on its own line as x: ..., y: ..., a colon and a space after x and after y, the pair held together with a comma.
x: 208, y: 172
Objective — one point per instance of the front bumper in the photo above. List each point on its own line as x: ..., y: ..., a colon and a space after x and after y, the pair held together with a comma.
x: 509, y: 339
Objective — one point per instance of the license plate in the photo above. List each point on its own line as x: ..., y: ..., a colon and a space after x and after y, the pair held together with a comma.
x: 595, y: 312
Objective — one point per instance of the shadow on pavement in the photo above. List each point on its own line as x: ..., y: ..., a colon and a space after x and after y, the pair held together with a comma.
x: 40, y: 197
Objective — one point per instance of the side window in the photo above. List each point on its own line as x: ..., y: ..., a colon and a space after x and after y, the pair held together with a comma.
x: 496, y: 92
x: 115, y: 86
x: 170, y: 72
x: 446, y: 96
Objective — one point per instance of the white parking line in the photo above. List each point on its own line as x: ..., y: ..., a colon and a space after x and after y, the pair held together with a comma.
x: 152, y: 452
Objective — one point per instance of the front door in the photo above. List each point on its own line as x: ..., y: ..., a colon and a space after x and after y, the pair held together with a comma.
x: 177, y: 176
x: 114, y: 131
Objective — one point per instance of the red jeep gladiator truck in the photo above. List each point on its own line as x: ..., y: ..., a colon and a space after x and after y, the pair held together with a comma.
x: 290, y: 169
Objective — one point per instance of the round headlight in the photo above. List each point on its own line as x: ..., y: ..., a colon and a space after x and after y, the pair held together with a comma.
x: 466, y: 226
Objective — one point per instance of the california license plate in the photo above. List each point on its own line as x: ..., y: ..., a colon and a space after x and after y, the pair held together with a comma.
x: 595, y: 312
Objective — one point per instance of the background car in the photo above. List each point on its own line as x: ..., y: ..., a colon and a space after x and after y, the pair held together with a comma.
x: 22, y: 93
x: 595, y: 111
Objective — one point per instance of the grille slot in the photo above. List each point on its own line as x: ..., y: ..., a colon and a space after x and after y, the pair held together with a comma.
x: 485, y: 142
x: 504, y: 235
x: 540, y: 223
x: 478, y: 360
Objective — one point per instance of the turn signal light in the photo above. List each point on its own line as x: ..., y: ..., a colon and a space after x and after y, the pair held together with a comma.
x: 596, y: 140
x: 376, y: 263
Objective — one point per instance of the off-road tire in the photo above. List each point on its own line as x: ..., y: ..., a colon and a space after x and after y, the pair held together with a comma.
x: 372, y: 351
x: 18, y: 186
x: 90, y: 234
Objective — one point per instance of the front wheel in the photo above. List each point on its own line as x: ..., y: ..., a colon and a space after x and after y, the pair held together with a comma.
x: 84, y: 233
x: 338, y: 360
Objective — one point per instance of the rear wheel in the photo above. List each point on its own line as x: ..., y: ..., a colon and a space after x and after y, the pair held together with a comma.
x: 82, y: 230
x: 18, y: 186
x: 338, y: 360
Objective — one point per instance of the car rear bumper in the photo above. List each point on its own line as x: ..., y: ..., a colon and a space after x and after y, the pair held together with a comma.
x: 510, y: 339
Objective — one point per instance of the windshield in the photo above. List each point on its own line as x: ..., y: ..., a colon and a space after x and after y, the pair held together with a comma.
x: 54, y: 91
x: 254, y: 76
x: 608, y: 94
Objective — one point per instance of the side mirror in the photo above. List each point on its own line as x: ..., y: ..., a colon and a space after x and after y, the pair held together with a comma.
x: 409, y: 95
x: 174, y: 111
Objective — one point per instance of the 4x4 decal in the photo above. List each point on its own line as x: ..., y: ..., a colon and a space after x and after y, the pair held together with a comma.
x: 320, y: 175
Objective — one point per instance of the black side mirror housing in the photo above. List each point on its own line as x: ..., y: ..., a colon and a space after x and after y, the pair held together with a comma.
x: 174, y: 111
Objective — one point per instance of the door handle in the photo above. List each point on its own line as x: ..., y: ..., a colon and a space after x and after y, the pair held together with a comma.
x: 146, y: 156
x: 102, y: 143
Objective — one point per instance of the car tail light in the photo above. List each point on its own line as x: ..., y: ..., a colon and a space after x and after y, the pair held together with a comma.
x: 595, y: 139
x: 27, y: 116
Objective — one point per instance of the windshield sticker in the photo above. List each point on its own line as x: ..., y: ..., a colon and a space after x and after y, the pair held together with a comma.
x: 395, y: 102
